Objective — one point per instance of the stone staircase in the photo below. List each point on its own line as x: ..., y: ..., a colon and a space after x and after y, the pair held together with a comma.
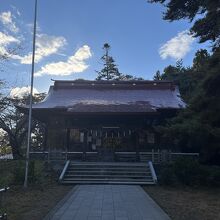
x: 107, y: 173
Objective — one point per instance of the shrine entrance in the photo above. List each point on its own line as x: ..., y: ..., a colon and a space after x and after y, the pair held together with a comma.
x: 110, y: 141
x: 103, y: 141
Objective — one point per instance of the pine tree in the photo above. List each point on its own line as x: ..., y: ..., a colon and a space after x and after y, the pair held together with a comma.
x: 157, y: 76
x: 110, y: 70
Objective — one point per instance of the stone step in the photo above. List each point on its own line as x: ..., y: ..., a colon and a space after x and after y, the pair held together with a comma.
x: 106, y: 164
x: 107, y: 167
x: 130, y: 182
x: 112, y: 172
x: 106, y: 179
x: 108, y: 172
x: 107, y: 176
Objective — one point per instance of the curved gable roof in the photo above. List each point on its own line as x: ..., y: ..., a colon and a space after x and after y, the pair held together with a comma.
x: 112, y: 96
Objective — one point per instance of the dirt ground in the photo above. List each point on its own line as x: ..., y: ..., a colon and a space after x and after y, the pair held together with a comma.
x: 182, y: 203
x: 34, y: 203
x: 179, y: 203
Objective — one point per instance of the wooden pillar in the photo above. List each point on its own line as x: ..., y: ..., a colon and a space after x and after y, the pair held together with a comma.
x: 84, y: 144
x: 137, y: 145
x: 85, y: 141
x: 67, y: 141
x: 152, y: 159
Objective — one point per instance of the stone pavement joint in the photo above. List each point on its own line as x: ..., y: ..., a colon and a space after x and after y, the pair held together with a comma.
x: 108, y: 202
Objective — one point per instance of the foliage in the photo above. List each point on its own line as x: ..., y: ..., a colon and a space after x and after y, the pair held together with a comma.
x: 157, y: 76
x: 166, y: 175
x: 187, y: 78
x: 197, y: 128
x: 110, y: 70
x: 189, y: 172
x: 18, y: 172
x: 34, y: 175
x: 12, y: 172
x: 204, y: 14
x: 6, y: 55
x: 14, y: 123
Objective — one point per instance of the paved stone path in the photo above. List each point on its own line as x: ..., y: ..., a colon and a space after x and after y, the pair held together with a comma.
x: 108, y: 202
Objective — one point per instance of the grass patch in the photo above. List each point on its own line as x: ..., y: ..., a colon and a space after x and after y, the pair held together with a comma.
x: 187, y: 203
x: 35, y: 202
x: 42, y: 195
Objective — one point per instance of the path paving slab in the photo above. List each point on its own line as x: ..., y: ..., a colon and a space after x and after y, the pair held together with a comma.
x: 107, y: 202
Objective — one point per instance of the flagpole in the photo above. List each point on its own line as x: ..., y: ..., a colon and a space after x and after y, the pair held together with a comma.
x: 31, y: 100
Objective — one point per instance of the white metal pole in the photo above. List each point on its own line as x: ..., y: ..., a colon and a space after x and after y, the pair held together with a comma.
x: 31, y: 99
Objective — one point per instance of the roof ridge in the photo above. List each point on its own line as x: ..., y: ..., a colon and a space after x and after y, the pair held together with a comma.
x: 112, y: 81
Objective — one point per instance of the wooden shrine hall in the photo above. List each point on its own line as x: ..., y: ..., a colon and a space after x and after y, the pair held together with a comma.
x: 102, y: 119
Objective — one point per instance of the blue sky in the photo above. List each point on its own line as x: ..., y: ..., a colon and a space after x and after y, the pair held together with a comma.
x: 71, y: 34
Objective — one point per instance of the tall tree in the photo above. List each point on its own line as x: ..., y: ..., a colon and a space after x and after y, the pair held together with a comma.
x: 200, y: 59
x: 180, y: 75
x: 110, y: 70
x: 157, y: 76
x: 197, y: 128
x: 14, y: 123
x: 204, y: 13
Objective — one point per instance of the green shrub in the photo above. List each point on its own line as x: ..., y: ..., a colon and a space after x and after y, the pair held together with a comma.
x: 18, y: 172
x: 214, y: 176
x: 189, y: 172
x: 6, y: 180
x: 36, y: 172
x: 167, y: 176
x: 13, y: 172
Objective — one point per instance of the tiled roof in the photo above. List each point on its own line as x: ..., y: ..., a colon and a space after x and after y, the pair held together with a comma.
x: 112, y: 96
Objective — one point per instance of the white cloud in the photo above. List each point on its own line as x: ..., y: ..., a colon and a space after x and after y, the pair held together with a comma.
x: 177, y: 47
x: 45, y: 46
x: 6, y: 19
x: 21, y: 92
x: 6, y: 40
x: 74, y: 64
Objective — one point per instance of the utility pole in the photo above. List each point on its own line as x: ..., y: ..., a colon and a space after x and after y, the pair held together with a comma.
x: 31, y: 99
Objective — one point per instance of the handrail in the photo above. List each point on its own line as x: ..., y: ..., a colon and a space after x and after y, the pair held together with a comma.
x: 64, y: 170
x: 90, y: 152
x: 124, y: 152
x: 186, y: 154
x: 152, y: 170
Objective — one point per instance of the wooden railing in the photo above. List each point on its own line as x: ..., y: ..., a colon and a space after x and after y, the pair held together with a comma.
x: 164, y: 156
x: 156, y: 156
